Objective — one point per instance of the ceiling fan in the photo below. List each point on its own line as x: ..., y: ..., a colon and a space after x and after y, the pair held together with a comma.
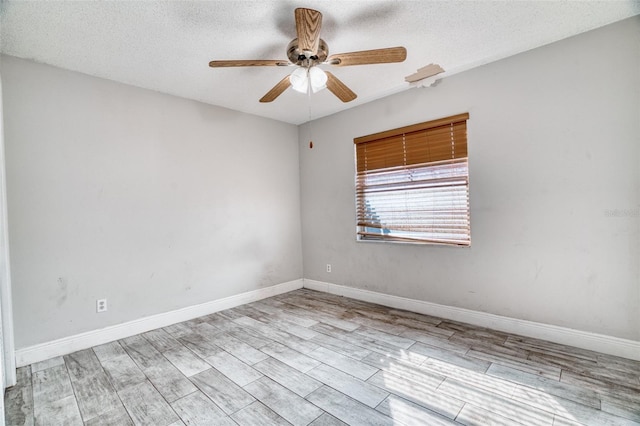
x: 307, y: 51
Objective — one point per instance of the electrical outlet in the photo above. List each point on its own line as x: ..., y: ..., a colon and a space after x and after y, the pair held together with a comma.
x: 328, y: 267
x: 101, y: 305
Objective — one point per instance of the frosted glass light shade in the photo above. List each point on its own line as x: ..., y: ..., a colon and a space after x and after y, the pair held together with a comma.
x: 303, y: 78
x: 318, y: 79
x: 299, y: 80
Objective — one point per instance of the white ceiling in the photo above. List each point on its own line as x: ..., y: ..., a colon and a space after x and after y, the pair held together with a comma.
x: 166, y: 45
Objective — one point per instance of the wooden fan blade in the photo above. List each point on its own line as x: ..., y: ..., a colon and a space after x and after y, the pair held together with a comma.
x: 308, y: 24
x: 277, y: 90
x: 365, y: 57
x: 339, y: 89
x: 248, y: 63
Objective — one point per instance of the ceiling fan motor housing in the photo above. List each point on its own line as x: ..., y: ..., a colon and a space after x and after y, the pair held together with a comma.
x: 299, y: 57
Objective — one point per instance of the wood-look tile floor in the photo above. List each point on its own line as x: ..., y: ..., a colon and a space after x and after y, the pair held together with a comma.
x: 309, y: 358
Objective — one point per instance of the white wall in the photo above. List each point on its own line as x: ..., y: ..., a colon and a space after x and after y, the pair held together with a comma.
x: 554, y: 143
x: 151, y: 201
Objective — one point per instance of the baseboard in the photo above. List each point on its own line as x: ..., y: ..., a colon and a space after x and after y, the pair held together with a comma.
x: 86, y: 340
x: 596, y: 342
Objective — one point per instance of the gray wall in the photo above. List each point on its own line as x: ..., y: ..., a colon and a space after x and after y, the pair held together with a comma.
x: 151, y: 201
x: 553, y: 146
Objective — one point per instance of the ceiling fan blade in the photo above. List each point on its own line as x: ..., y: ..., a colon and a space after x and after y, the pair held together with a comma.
x: 308, y: 24
x: 339, y: 89
x: 366, y: 57
x: 248, y: 63
x: 277, y: 90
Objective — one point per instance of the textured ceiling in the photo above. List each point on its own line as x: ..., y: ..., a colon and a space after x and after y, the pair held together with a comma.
x: 166, y: 45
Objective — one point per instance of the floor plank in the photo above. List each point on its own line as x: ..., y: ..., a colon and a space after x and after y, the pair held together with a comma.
x: 357, y: 389
x: 123, y: 372
x: 415, y: 373
x: 115, y: 417
x: 437, y: 341
x: 340, y: 346
x: 549, y: 386
x: 624, y: 411
x: 370, y: 344
x: 565, y: 409
x: 410, y: 414
x: 467, y: 363
x: 327, y: 420
x: 343, y: 363
x: 186, y: 361
x: 246, y: 335
x: 180, y: 329
x: 477, y: 416
x: 239, y: 349
x: 18, y: 399
x: 95, y: 395
x: 285, y: 403
x: 225, y: 393
x: 347, y: 409
x: 108, y: 350
x: 43, y: 365
x: 257, y: 414
x: 233, y: 368
x: 294, y: 342
x: 168, y: 380
x: 146, y: 406
x: 200, y: 345
x: 525, y: 365
x: 64, y: 411
x: 82, y: 364
x: 290, y: 357
x: 141, y: 351
x: 418, y: 393
x: 496, y: 404
x: 197, y: 409
x: 288, y: 377
x: 50, y: 385
x: 161, y: 340
x: 400, y: 342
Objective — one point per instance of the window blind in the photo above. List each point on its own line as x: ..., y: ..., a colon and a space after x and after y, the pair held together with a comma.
x: 412, y: 183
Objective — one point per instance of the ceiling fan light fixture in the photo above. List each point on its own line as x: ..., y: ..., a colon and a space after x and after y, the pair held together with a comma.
x: 304, y: 78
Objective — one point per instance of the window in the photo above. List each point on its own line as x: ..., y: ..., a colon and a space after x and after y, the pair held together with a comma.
x: 412, y: 184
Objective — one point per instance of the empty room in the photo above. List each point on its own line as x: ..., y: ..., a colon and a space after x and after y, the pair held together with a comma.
x: 320, y: 212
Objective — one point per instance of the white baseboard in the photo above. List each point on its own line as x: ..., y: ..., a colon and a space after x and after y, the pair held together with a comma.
x: 596, y: 342
x: 89, y: 339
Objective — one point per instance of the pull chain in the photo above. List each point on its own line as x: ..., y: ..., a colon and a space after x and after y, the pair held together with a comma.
x: 310, y: 123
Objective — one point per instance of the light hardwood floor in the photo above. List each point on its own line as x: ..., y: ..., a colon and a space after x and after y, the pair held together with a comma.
x: 309, y: 358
